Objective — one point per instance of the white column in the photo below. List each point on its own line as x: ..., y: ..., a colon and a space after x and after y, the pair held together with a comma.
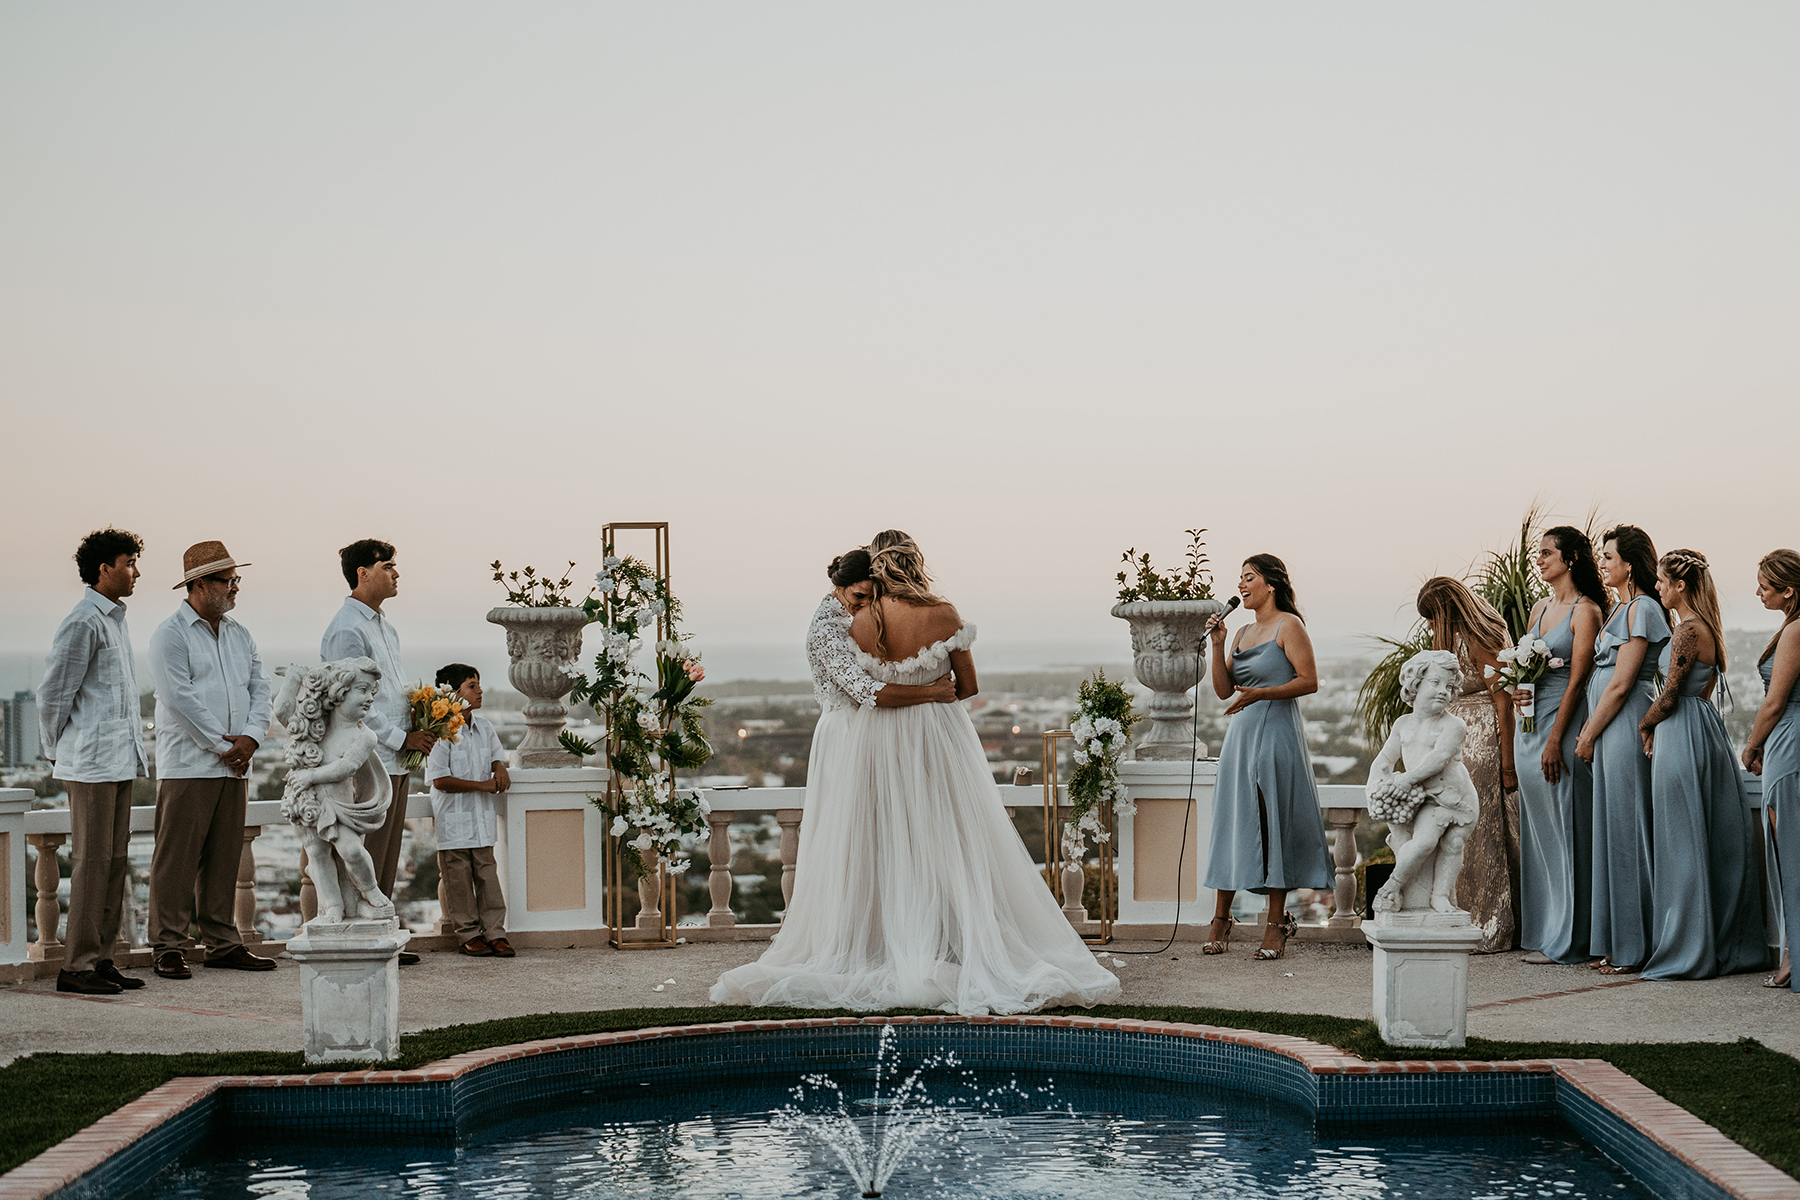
x: 553, y: 840
x: 13, y: 803
x: 1153, y: 862
x: 1422, y: 976
x: 349, y: 989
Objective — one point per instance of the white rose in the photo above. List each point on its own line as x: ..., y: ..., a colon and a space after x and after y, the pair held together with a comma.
x: 619, y: 826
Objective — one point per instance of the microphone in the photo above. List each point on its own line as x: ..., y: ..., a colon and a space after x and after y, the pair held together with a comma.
x: 1218, y: 618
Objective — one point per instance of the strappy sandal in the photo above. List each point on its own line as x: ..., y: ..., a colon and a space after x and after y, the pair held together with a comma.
x: 1287, y: 925
x: 1611, y: 969
x: 1776, y: 981
x: 1219, y: 945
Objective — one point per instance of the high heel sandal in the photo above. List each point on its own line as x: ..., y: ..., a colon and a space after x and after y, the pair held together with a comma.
x: 1220, y: 945
x: 1287, y: 925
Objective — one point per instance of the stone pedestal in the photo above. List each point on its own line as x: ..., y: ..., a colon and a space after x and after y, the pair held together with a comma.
x: 1422, y: 976
x: 350, y: 989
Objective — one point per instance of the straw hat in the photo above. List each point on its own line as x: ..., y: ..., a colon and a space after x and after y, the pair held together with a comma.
x: 205, y: 558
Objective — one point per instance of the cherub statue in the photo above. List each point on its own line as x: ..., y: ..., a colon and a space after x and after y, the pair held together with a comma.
x: 1431, y: 805
x: 337, y: 789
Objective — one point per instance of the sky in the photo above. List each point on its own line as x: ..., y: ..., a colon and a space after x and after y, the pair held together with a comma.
x: 1350, y: 284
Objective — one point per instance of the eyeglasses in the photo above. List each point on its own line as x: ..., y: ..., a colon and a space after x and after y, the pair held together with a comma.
x: 230, y: 582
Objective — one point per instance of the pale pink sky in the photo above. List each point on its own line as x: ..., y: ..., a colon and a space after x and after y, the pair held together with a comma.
x: 1351, y: 284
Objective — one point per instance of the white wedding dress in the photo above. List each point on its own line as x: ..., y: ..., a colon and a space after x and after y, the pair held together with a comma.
x: 912, y: 888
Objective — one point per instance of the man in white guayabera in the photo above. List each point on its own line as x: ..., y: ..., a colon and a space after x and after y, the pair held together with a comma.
x: 92, y: 732
x: 212, y: 712
x: 362, y: 630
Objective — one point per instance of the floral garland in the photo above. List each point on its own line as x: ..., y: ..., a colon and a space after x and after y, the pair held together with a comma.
x: 653, y: 721
x: 1102, y: 729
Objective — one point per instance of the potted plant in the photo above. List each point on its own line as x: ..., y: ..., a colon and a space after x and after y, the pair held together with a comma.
x: 1167, y: 614
x: 543, y: 640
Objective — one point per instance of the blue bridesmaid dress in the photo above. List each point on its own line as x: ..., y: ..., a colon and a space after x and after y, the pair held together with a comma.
x: 1781, y: 795
x: 1266, y: 828
x: 1622, y: 809
x: 1706, y: 900
x: 1556, y: 820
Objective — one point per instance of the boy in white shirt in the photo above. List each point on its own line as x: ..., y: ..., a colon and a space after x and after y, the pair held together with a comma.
x: 464, y: 776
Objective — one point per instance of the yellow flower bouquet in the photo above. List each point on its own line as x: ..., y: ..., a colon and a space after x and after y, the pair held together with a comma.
x: 436, y: 710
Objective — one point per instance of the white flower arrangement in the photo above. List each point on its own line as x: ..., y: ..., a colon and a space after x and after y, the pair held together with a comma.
x: 1521, y: 667
x: 1101, y: 729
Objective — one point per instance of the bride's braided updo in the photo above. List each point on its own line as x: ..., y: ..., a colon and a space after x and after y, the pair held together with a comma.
x: 1689, y: 568
x: 848, y: 568
x: 897, y: 569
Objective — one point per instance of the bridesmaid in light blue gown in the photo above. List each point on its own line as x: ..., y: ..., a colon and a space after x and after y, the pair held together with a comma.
x: 1619, y: 693
x: 1267, y: 835
x: 1773, y: 749
x: 1556, y: 789
x: 1706, y: 917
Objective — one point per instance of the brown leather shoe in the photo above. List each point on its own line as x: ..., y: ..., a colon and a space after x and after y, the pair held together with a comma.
x: 408, y: 958
x: 170, y: 964
x: 86, y: 983
x: 239, y: 959
x: 478, y: 947
x: 105, y: 970
x: 502, y: 948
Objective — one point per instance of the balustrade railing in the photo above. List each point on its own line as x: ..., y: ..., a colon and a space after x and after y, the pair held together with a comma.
x: 551, y: 856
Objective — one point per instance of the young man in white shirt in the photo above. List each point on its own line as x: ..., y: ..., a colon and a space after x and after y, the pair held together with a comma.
x: 465, y: 776
x: 362, y: 630
x: 212, y: 711
x: 91, y: 730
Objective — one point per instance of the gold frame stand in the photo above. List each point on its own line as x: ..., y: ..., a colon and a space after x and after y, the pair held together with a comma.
x: 1053, y: 852
x: 615, y: 791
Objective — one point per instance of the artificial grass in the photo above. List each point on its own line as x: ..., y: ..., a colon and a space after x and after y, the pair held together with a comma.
x: 1745, y: 1090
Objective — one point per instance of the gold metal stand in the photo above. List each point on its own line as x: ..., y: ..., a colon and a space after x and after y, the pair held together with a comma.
x: 615, y: 791
x: 1053, y: 851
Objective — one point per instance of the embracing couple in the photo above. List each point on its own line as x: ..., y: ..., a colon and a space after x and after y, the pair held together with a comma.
x: 912, y: 889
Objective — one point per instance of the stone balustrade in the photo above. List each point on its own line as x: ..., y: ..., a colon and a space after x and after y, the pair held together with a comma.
x: 552, y: 846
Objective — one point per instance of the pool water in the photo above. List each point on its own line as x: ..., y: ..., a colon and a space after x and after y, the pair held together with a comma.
x: 1015, y: 1137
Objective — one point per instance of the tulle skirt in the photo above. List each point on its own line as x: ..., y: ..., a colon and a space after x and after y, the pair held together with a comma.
x: 912, y: 888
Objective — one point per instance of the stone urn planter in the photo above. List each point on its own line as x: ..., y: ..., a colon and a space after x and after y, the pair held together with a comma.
x: 540, y: 642
x: 1168, y: 658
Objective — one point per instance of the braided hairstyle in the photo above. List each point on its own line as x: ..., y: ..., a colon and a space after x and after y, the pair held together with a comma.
x: 1780, y: 569
x: 1275, y: 574
x: 1639, y: 553
x: 1578, y: 555
x: 899, y: 571
x: 1689, y: 568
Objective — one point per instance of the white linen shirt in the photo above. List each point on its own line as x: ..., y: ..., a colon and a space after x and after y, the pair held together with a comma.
x: 89, y: 722
x: 358, y: 631
x: 465, y: 820
x: 208, y: 689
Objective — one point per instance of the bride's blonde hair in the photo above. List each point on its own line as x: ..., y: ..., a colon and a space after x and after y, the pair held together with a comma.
x: 897, y: 569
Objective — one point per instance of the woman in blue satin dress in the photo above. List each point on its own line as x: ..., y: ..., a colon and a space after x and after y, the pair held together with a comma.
x: 1556, y: 789
x: 1267, y: 835
x: 1619, y: 693
x: 1773, y: 748
x: 1706, y: 915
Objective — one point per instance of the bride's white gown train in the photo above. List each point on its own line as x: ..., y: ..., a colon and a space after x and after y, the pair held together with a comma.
x: 912, y: 888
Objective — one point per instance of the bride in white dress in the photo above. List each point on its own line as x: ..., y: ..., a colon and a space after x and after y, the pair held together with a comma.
x: 912, y: 889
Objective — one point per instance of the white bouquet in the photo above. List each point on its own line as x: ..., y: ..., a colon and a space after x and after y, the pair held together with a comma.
x: 1521, y: 667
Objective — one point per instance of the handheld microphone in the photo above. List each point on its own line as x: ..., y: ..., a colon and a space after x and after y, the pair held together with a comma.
x: 1219, y: 618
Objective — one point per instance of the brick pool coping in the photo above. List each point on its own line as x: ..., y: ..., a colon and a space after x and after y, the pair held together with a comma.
x: 1690, y: 1140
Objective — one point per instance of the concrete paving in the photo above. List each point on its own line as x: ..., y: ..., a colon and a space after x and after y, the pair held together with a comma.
x: 1509, y: 1000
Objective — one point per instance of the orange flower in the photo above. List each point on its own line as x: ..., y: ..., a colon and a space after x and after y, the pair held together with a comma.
x: 440, y: 709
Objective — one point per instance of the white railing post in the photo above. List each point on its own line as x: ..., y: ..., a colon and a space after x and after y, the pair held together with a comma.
x: 49, y: 912
x: 13, y: 943
x: 789, y: 820
x: 718, y: 880
x: 1343, y: 857
x: 244, y: 911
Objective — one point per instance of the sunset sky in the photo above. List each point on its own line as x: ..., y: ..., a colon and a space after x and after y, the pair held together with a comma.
x: 1351, y: 284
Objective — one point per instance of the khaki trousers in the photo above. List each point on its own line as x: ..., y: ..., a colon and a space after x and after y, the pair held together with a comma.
x: 472, y: 886
x: 99, y: 836
x: 193, y: 874
x: 383, y: 844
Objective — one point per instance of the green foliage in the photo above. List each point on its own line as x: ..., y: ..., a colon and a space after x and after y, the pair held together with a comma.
x: 1509, y: 581
x: 1193, y: 584
x: 1378, y: 700
x: 528, y: 589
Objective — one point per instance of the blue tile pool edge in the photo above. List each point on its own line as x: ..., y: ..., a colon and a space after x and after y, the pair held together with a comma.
x: 1334, y: 1088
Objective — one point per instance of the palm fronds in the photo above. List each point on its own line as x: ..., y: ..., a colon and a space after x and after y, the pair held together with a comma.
x: 1378, y: 700
x: 1509, y: 581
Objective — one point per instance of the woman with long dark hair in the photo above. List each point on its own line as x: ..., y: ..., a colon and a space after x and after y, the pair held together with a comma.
x: 1620, y: 692
x: 1267, y: 836
x: 1706, y: 917
x: 1556, y: 787
x: 1773, y: 748
x: 1488, y: 885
